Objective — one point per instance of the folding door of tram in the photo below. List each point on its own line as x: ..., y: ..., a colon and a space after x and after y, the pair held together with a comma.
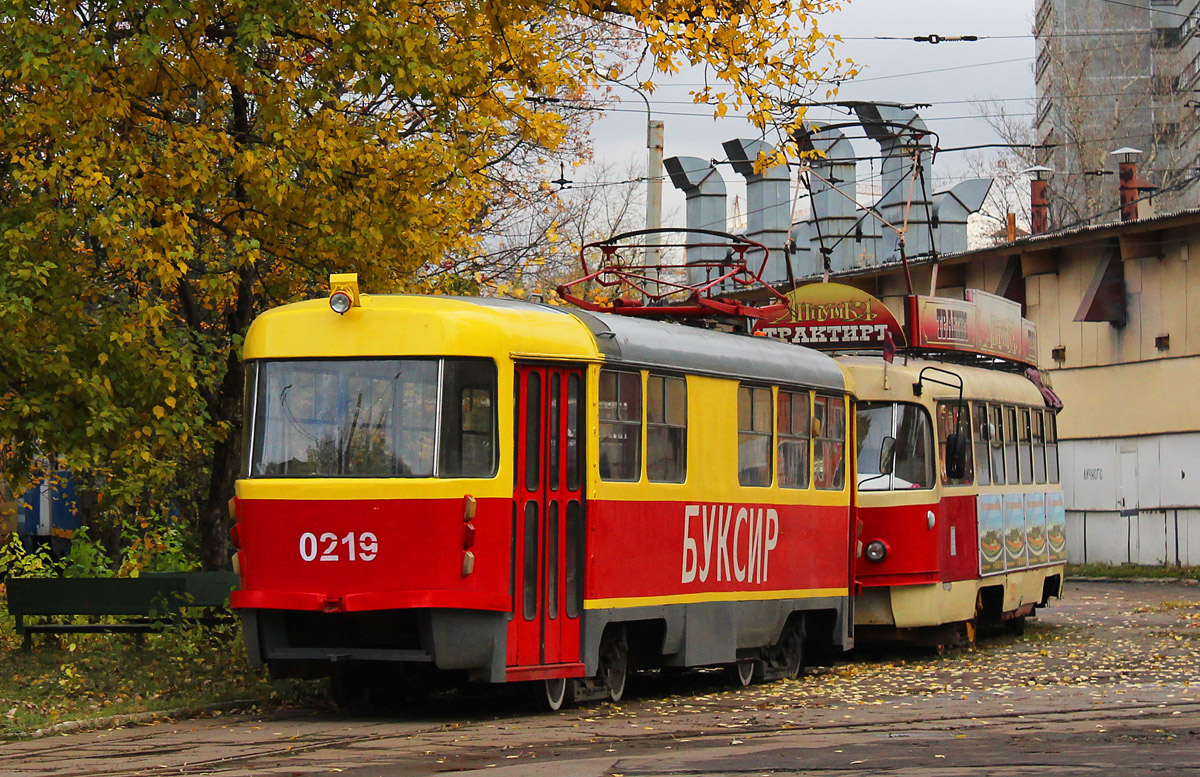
x: 548, y: 525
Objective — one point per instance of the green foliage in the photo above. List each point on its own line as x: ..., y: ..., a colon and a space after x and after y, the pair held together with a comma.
x: 15, y: 561
x: 86, y: 558
x: 1128, y: 571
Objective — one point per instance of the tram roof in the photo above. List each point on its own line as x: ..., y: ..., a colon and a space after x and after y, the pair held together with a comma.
x: 641, y: 343
x: 978, y: 382
x: 480, y: 326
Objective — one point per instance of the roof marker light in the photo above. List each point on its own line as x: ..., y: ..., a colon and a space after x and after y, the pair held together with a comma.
x: 343, y: 289
x: 340, y: 302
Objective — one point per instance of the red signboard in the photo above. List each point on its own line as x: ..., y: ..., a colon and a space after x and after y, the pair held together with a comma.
x: 836, y: 316
x: 982, y: 323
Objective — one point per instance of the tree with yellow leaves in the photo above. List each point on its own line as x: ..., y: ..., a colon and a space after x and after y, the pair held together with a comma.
x: 170, y: 169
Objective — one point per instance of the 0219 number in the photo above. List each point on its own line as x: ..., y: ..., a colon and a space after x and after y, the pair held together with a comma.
x: 330, y: 547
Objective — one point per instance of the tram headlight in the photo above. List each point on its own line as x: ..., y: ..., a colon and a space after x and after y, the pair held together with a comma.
x: 876, y: 551
x: 340, y: 301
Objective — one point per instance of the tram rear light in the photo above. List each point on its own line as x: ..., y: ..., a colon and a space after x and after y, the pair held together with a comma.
x: 235, y: 536
x: 468, y: 508
x: 237, y: 564
x: 468, y: 563
x: 876, y: 551
x: 468, y: 535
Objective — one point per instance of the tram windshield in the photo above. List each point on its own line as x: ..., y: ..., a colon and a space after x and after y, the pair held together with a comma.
x: 407, y: 418
x: 895, y: 447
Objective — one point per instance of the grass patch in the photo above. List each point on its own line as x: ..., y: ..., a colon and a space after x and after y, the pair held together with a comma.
x: 1126, y: 571
x: 83, y: 676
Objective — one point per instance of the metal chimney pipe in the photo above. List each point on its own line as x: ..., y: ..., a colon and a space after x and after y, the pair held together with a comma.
x: 1127, y: 173
x: 1039, y: 203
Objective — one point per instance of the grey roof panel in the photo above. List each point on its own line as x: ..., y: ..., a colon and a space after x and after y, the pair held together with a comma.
x: 641, y: 343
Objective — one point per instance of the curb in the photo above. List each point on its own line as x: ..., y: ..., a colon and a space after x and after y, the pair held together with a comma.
x: 138, y: 718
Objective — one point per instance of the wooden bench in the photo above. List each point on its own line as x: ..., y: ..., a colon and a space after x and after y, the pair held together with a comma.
x: 142, y: 604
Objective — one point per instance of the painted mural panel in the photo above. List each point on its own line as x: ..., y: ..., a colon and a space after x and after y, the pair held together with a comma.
x: 991, y: 534
x: 1014, y: 532
x: 1056, y: 527
x: 1035, y: 529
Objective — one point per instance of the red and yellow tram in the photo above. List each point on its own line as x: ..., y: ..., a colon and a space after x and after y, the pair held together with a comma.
x: 959, y: 505
x: 960, y: 518
x: 654, y: 495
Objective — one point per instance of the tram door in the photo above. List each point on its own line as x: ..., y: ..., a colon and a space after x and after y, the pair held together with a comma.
x: 548, y: 522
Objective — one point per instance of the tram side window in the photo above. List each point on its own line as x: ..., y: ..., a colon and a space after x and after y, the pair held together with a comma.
x: 620, y: 425
x: 666, y: 429
x: 996, y: 444
x: 1025, y: 446
x: 983, y: 441
x: 795, y: 426
x: 1051, y: 446
x: 754, y: 436
x: 1010, y: 446
x: 468, y: 441
x: 829, y: 446
x: 1039, y: 447
x: 951, y: 419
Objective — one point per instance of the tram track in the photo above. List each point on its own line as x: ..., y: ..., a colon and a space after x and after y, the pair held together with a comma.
x: 423, y: 741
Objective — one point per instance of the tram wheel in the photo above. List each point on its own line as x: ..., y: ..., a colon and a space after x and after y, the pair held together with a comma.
x: 791, y: 652
x: 741, y: 673
x: 614, y: 662
x: 560, y: 692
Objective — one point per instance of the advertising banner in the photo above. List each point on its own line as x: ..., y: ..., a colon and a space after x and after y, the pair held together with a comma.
x: 1056, y: 527
x: 1035, y: 529
x: 834, y: 316
x: 982, y: 323
x: 1014, y: 532
x: 991, y: 534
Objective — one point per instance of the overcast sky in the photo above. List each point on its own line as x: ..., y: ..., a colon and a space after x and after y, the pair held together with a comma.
x: 952, y: 76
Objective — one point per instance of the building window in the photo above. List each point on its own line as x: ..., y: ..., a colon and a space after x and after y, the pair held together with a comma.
x: 754, y: 436
x: 620, y: 425
x: 666, y: 429
x: 795, y: 426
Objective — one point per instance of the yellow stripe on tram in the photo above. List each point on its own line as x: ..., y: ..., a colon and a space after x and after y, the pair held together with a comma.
x: 712, y: 596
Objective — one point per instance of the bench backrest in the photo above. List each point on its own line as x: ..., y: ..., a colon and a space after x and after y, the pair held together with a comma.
x: 151, y: 595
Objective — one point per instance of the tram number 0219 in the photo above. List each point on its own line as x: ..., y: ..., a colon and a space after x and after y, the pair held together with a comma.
x: 330, y: 547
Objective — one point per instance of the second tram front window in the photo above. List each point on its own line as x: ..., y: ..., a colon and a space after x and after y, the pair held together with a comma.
x: 620, y: 425
x: 754, y: 436
x: 374, y: 418
x: 897, y: 438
